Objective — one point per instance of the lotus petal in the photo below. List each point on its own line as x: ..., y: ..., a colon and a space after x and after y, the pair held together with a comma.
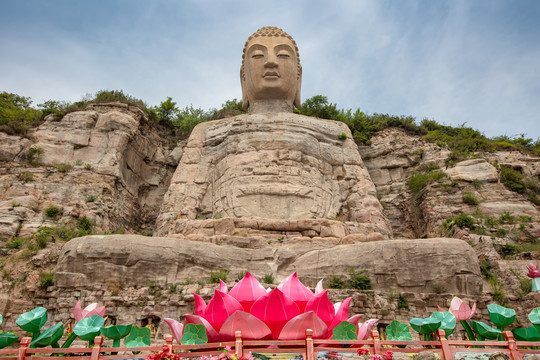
x: 533, y: 271
x: 364, y: 329
x: 319, y: 287
x: 322, y: 306
x: 95, y: 311
x: 275, y: 309
x: 77, y: 312
x: 460, y: 309
x: 199, y: 320
x: 220, y: 308
x: 354, y: 319
x: 252, y: 328
x: 295, y: 329
x: 200, y: 305
x: 176, y: 328
x: 223, y: 287
x: 294, y: 289
x: 342, y: 313
x: 247, y: 291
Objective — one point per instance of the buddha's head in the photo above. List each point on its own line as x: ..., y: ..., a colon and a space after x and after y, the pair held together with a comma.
x: 270, y: 68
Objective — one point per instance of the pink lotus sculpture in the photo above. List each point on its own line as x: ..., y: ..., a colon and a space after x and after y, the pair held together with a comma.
x: 534, y: 274
x: 462, y: 312
x: 283, y: 313
x: 88, y: 311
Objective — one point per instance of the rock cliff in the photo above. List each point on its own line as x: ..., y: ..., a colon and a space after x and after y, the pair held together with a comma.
x: 109, y: 164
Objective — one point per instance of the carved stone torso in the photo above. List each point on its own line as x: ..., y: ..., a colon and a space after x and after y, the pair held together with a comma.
x: 271, y: 166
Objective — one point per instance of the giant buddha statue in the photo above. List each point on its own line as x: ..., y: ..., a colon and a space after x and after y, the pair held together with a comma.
x: 271, y: 163
x: 270, y: 191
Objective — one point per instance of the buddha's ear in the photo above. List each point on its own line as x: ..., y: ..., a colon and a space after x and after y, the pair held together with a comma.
x: 297, y: 100
x: 245, y: 101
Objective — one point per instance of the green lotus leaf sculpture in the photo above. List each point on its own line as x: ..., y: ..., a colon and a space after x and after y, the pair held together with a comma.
x: 534, y: 316
x: 7, y: 339
x: 194, y: 334
x: 88, y: 328
x: 426, y: 326
x: 32, y: 321
x: 448, y: 321
x: 344, y: 331
x: 49, y: 337
x: 532, y: 333
x: 138, y: 337
x: 116, y: 332
x: 485, y: 331
x: 398, y: 332
x: 501, y: 316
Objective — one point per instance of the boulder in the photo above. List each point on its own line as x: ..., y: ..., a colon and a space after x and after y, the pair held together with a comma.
x: 11, y: 146
x: 406, y: 265
x: 473, y: 170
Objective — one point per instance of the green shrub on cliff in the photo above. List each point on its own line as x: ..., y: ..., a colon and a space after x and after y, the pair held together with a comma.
x: 16, y: 115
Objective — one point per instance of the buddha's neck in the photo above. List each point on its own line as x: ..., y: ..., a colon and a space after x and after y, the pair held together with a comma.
x: 270, y: 106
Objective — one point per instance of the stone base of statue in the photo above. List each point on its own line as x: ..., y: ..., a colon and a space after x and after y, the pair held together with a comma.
x: 411, y: 265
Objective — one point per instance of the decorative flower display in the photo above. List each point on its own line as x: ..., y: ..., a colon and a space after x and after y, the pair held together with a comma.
x: 534, y: 274
x: 463, y: 313
x: 365, y: 354
x: 88, y: 311
x: 283, y: 313
x: 533, y: 271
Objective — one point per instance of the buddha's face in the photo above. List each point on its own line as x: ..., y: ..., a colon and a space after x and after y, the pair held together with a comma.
x: 271, y: 70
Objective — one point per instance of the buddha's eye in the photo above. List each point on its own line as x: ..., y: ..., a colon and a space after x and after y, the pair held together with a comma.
x: 257, y: 55
x: 283, y: 54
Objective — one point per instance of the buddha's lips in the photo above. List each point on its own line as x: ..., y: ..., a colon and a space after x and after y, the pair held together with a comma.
x: 271, y: 74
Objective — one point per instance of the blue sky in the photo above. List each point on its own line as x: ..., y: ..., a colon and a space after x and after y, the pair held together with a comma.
x: 459, y: 61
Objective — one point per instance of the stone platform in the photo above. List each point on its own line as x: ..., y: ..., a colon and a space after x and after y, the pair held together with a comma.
x: 418, y: 265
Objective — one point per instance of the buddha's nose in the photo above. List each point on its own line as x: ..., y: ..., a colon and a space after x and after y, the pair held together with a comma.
x: 271, y: 61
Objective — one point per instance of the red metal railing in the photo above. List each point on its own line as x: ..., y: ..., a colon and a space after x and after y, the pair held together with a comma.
x: 308, y: 348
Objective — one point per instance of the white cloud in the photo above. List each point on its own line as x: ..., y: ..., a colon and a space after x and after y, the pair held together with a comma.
x: 455, y: 61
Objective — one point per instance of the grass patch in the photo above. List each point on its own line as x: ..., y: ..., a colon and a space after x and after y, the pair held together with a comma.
x: 268, y: 278
x: 52, y: 211
x: 221, y: 274
x: 359, y: 280
x: 470, y: 198
x: 46, y: 279
x: 336, y: 282
x: 25, y: 176
x: 419, y: 181
x: 402, y: 302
